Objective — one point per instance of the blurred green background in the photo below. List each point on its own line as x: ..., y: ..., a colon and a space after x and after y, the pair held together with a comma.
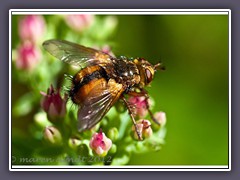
x: 193, y: 90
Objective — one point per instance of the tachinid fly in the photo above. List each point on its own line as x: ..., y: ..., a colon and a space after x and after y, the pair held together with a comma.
x: 102, y: 80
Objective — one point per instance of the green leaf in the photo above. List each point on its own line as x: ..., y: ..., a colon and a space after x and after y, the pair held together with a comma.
x: 23, y: 105
x: 124, y: 159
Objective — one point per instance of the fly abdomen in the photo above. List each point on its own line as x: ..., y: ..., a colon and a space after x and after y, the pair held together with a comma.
x: 84, y: 81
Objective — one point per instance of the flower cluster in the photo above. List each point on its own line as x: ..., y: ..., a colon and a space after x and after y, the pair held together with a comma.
x: 140, y: 107
x: 31, y: 30
x: 55, y: 107
x: 54, y: 125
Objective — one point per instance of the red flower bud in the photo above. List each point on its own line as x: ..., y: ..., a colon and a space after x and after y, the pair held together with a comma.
x: 53, y: 104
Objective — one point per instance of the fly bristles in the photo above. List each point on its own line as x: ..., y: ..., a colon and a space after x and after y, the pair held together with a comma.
x: 66, y: 89
x: 68, y: 77
x: 72, y: 106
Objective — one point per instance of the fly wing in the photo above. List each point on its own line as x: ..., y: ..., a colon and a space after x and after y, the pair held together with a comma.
x: 97, y: 104
x: 76, y: 54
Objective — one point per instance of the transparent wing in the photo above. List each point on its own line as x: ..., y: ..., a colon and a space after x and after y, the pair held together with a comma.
x: 96, y: 106
x: 76, y: 54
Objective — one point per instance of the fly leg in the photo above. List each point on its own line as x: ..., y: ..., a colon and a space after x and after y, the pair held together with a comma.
x: 132, y: 117
x: 144, y: 93
x: 149, y: 111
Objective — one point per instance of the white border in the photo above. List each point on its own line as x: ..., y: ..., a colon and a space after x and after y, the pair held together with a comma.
x: 118, y: 12
x: 229, y: 91
x: 121, y: 11
x: 122, y: 168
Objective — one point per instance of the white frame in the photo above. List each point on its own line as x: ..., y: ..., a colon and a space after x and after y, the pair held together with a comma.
x: 118, y: 12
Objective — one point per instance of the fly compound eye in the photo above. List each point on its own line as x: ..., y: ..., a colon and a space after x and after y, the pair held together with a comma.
x: 148, y: 76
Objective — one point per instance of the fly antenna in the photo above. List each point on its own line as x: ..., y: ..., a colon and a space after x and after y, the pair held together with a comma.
x: 159, y: 66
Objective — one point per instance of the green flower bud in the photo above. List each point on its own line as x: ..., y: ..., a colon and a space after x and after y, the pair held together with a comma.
x: 52, y: 135
x: 74, y: 143
x: 82, y: 150
x: 113, y: 134
x: 41, y: 119
x: 113, y: 149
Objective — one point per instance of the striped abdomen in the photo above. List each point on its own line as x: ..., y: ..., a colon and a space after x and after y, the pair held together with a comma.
x: 84, y: 81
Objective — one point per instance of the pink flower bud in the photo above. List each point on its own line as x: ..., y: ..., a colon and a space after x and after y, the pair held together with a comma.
x: 144, y: 128
x: 79, y: 22
x: 31, y: 27
x: 28, y: 56
x: 139, y: 104
x: 53, y: 104
x: 100, y: 144
x: 161, y: 118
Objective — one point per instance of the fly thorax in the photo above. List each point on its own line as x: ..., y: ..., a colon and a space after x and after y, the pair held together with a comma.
x: 126, y: 72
